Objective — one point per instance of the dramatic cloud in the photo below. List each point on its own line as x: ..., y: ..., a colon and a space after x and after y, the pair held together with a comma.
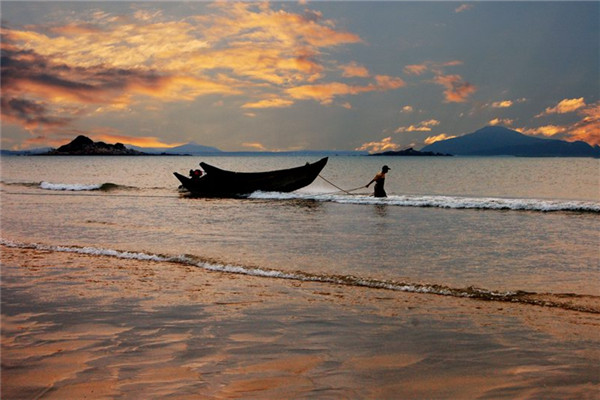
x: 101, y: 62
x: 385, y: 144
x: 232, y: 72
x: 433, y: 139
x: 29, y: 114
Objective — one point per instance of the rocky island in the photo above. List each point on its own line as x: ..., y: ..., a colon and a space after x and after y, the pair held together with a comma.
x: 84, y: 146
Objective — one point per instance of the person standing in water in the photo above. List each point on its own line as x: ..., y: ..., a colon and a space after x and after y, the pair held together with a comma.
x: 379, y: 182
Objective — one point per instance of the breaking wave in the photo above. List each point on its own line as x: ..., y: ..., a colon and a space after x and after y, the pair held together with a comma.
x: 567, y: 301
x: 69, y: 187
x: 77, y: 187
x: 453, y: 202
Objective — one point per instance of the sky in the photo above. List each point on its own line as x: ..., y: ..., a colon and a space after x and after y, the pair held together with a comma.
x: 284, y: 76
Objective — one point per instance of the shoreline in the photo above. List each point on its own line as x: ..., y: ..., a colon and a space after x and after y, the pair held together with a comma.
x: 76, y: 325
x: 567, y: 301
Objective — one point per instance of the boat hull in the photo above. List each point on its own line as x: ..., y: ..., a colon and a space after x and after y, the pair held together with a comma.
x: 221, y: 183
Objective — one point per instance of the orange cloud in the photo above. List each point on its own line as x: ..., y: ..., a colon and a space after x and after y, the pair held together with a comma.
x: 501, y: 121
x: 502, y: 104
x: 117, y: 61
x: 433, y: 139
x: 386, y: 82
x: 565, y: 106
x: 269, y: 103
x: 354, y: 70
x: 423, y: 126
x: 255, y: 145
x: 258, y: 24
x: 587, y: 129
x: 457, y: 90
x: 385, y: 144
x: 325, y: 93
x: 547, y: 130
x: 427, y: 66
x: 416, y: 69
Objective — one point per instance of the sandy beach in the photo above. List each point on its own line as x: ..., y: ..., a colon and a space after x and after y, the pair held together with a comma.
x: 76, y: 326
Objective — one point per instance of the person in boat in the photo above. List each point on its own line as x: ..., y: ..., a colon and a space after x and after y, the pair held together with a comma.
x: 195, y: 174
x: 379, y: 180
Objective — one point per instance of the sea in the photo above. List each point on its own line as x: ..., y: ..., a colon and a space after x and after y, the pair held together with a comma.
x: 494, y: 228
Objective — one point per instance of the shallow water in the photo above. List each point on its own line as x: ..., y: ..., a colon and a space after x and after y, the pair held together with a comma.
x: 500, y: 224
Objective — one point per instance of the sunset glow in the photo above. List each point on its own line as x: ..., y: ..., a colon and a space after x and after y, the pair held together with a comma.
x: 233, y: 74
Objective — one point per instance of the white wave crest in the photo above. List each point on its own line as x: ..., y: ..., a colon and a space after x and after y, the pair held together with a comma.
x: 347, y: 280
x: 69, y: 186
x: 454, y: 202
x: 95, y: 251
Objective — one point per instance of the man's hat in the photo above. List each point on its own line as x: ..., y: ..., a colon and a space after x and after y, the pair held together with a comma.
x: 385, y: 168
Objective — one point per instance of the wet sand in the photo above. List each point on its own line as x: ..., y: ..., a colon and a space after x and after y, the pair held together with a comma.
x: 77, y: 326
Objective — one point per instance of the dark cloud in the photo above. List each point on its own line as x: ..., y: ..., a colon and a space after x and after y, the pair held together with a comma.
x: 33, y: 87
x: 29, y: 113
x: 28, y: 72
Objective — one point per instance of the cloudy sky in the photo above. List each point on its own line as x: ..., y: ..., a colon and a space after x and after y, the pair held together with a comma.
x: 297, y: 75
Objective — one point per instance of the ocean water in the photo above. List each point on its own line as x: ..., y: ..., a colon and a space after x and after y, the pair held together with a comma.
x: 494, y: 228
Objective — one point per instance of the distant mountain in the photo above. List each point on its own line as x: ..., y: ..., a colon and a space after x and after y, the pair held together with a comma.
x: 197, y: 149
x: 410, y: 152
x: 84, y: 146
x: 189, y: 148
x: 497, y: 140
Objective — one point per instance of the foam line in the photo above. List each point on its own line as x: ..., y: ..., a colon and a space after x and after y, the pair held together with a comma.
x: 521, y: 297
x: 452, y: 202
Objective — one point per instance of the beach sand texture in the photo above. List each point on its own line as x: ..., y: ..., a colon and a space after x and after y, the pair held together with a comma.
x: 76, y: 326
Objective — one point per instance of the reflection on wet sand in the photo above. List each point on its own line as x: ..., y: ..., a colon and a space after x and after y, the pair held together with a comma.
x: 76, y: 326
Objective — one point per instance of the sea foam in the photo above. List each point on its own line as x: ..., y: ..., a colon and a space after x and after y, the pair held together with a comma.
x: 78, y: 187
x: 68, y: 186
x: 453, y: 202
x: 518, y: 296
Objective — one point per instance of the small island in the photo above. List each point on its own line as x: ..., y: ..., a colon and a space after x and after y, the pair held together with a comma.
x: 84, y: 146
x: 412, y: 152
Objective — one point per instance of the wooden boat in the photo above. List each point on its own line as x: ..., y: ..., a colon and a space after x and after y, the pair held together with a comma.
x: 217, y: 182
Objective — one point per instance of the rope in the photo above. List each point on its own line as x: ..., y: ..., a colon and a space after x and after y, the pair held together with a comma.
x: 337, y: 187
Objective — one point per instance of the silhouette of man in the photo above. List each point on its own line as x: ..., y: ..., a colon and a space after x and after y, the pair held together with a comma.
x: 379, y: 180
